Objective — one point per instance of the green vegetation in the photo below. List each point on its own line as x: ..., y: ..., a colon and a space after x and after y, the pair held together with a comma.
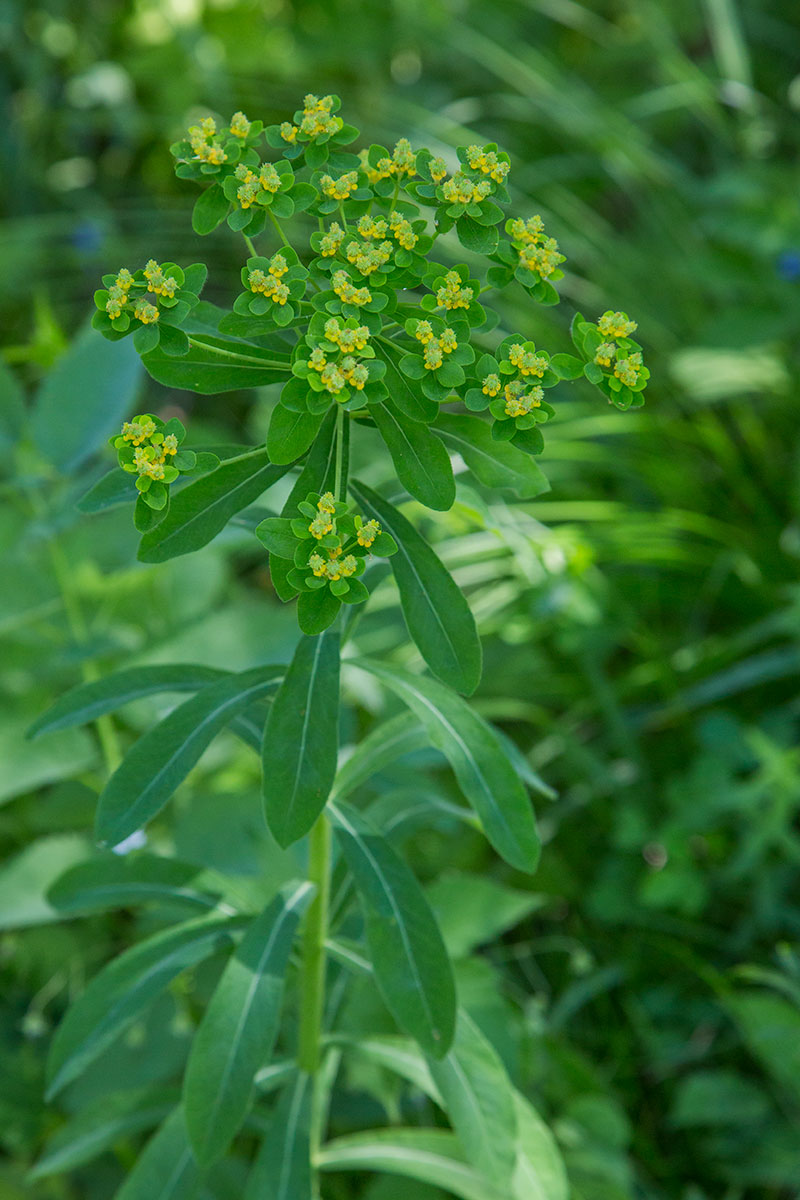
x: 638, y: 623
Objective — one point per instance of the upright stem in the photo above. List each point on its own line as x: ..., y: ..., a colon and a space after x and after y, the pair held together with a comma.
x: 338, y: 481
x: 278, y: 228
x: 250, y: 245
x: 315, y: 932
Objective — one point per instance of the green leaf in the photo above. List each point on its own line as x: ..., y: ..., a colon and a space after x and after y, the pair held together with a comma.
x: 316, y: 611
x: 88, y: 701
x: 770, y: 1027
x: 429, y: 1155
x: 474, y: 910
x: 210, y: 210
x: 408, y: 399
x: 202, y: 510
x: 100, y: 1126
x: 567, y: 366
x: 495, y: 464
x: 400, y: 735
x: 115, y: 487
x: 420, y: 459
x: 122, y: 880
x: 25, y: 879
x: 166, y: 1169
x: 539, y: 1173
x: 85, y: 398
x: 480, y: 239
x: 411, y: 964
x: 282, y: 1170
x: 162, y: 758
x: 216, y: 364
x: 435, y: 609
x: 479, y: 762
x: 238, y: 1030
x: 291, y: 433
x: 301, y: 739
x: 123, y: 990
x: 479, y: 1100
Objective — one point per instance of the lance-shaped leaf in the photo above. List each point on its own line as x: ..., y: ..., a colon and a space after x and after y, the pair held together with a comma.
x: 435, y: 609
x: 215, y: 364
x: 401, y: 734
x: 495, y: 464
x: 282, y: 1170
x: 166, y: 1169
x: 101, y: 1125
x: 291, y: 433
x: 115, y: 487
x: 301, y: 739
x: 88, y: 701
x: 430, y: 1155
x: 163, y: 757
x: 121, y: 880
x: 123, y: 989
x: 411, y: 964
x: 478, y: 1098
x: 479, y: 762
x: 200, y: 511
x: 408, y: 397
x: 539, y: 1173
x: 238, y: 1029
x: 420, y: 459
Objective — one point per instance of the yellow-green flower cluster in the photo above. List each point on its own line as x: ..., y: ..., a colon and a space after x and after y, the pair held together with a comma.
x: 367, y: 257
x: 346, y: 290
x: 403, y: 161
x: 335, y: 376
x: 336, y: 565
x: 526, y: 362
x: 491, y: 384
x: 628, y: 369
x: 538, y: 253
x: 331, y: 241
x: 348, y: 340
x: 434, y: 349
x: 268, y: 283
x: 341, y: 188
x: 240, y: 126
x: 371, y: 227
x: 437, y: 169
x: 616, y: 325
x: 118, y: 293
x: 463, y: 190
x: 317, y: 119
x: 451, y: 294
x: 487, y: 162
x: 149, y: 460
x: 251, y: 184
x: 518, y: 401
x: 402, y: 231
x: 202, y: 139
x: 159, y: 284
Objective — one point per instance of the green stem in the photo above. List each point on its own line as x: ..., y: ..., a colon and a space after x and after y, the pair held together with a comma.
x: 250, y: 245
x: 278, y: 228
x: 315, y: 932
x: 245, y: 358
x: 395, y: 195
x: 338, y: 481
x: 344, y: 218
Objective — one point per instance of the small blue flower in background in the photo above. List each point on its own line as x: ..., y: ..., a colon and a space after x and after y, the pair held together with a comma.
x: 789, y: 265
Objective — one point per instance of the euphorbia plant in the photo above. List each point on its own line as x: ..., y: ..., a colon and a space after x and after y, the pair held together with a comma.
x: 351, y: 310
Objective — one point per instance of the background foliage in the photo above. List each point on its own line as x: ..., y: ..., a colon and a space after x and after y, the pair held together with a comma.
x: 640, y: 622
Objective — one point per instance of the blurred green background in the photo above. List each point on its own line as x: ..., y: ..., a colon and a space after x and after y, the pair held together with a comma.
x: 641, y: 621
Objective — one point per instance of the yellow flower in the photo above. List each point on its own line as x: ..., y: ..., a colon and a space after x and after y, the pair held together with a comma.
x: 402, y: 231
x: 147, y: 463
x: 201, y: 139
x: 327, y: 503
x: 331, y: 241
x: 269, y: 178
x: 519, y: 402
x: 346, y: 291
x: 447, y: 341
x: 317, y: 118
x: 317, y: 564
x: 438, y: 169
x: 368, y: 227
x: 424, y: 332
x: 117, y: 297
x: 332, y: 378
x: 341, y: 188
x: 487, y: 162
x: 451, y: 294
x: 278, y: 266
x: 367, y: 533
x: 366, y: 258
x: 604, y: 354
x: 432, y: 356
x: 240, y: 126
x: 404, y: 160
x: 628, y: 370
x: 616, y: 325
x: 491, y: 385
x: 124, y: 280
x: 145, y: 312
x: 526, y: 362
x: 159, y: 285
x: 317, y: 359
x: 320, y: 526
x: 289, y: 132
x: 138, y: 431
x: 541, y: 259
x: 528, y: 232
x: 461, y: 189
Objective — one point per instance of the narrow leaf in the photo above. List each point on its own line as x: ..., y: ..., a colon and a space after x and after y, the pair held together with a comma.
x: 88, y: 701
x: 495, y: 464
x: 282, y: 1170
x: 238, y: 1029
x: 113, y: 488
x: 479, y: 762
x: 435, y: 609
x: 163, y: 757
x: 291, y: 433
x: 539, y: 1173
x: 420, y: 459
x: 202, y: 510
x: 389, y: 741
x: 123, y: 989
x: 411, y: 964
x: 216, y: 364
x: 301, y: 739
x: 119, y: 881
x: 166, y: 1169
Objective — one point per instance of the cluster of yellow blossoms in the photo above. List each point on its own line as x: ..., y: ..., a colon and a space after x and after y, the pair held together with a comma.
x: 462, y: 190
x: 240, y: 126
x: 519, y: 402
x: 346, y: 290
x: 159, y: 283
x: 143, y: 310
x: 317, y: 119
x: 434, y: 348
x: 402, y: 162
x: 268, y: 283
x: 341, y: 188
x: 451, y: 294
x: 267, y: 180
x: 334, y: 376
x: 149, y: 460
x: 618, y: 325
x: 335, y: 566
x: 538, y: 253
x: 487, y: 162
x: 367, y: 257
x: 347, y: 340
x: 526, y: 362
x: 202, y: 139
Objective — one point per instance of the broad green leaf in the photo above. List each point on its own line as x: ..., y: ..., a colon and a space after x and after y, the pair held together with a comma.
x: 476, y: 755
x: 401, y: 734
x: 301, y: 739
x: 429, y: 1155
x: 101, y: 1125
x: 435, y: 609
x: 25, y: 879
x: 26, y: 767
x: 282, y: 1170
x: 475, y: 909
x: 421, y: 461
x: 411, y: 964
x: 291, y: 433
x: 122, y: 880
x: 770, y: 1026
x: 85, y: 398
x: 162, y: 758
x: 210, y: 210
x: 115, y: 487
x: 124, y: 988
x: 479, y: 1100
x: 166, y: 1169
x: 88, y: 701
x: 238, y: 1029
x: 317, y: 611
x: 216, y: 364
x: 539, y: 1173
x: 202, y: 510
x: 407, y: 397
x: 495, y: 464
